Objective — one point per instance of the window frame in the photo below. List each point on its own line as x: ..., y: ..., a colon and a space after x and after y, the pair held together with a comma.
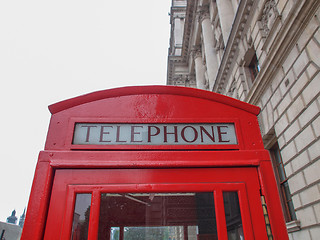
x: 282, y: 182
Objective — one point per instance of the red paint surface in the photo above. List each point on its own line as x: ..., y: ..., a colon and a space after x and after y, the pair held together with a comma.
x: 152, y: 104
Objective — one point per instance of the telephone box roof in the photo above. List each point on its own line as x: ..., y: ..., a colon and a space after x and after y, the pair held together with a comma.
x: 140, y: 90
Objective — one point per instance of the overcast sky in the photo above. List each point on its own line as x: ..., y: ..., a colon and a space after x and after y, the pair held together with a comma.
x: 55, y: 50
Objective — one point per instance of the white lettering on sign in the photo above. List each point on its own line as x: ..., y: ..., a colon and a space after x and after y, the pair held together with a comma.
x: 154, y: 134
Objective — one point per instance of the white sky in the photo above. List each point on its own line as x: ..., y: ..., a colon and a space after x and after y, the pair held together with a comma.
x: 55, y: 50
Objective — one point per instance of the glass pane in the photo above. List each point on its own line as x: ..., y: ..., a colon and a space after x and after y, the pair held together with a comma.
x: 157, y: 216
x: 233, y: 216
x: 81, y: 215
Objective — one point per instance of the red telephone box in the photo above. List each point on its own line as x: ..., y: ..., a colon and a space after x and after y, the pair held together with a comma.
x: 155, y: 162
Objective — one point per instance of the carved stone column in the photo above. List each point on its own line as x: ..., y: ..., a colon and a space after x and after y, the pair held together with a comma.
x: 199, y: 69
x: 208, y: 43
x: 226, y: 16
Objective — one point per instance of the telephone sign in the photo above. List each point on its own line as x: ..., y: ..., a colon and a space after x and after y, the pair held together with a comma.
x: 154, y: 134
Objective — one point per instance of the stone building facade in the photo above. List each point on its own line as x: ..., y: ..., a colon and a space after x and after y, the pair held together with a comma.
x: 9, y: 231
x: 267, y: 53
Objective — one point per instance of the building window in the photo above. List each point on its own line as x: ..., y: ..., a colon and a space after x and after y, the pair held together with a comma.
x: 282, y: 180
x: 254, y: 67
x: 251, y: 69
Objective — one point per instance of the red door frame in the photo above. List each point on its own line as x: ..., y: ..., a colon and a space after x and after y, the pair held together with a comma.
x: 69, y: 182
x: 155, y: 104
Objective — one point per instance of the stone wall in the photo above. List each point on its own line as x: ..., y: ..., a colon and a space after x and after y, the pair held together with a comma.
x: 291, y: 105
x: 284, y: 35
x: 10, y: 231
x: 288, y: 91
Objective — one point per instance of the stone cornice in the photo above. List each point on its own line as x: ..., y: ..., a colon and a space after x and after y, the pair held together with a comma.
x: 174, y: 10
x: 236, y: 33
x: 295, y: 23
x: 189, y: 18
x: 172, y: 60
x: 188, y: 25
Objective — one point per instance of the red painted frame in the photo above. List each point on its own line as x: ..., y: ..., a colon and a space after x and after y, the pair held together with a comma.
x: 70, y: 182
x: 156, y: 104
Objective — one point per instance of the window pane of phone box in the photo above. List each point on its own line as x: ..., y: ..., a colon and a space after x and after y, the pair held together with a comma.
x: 81, y: 216
x: 157, y: 216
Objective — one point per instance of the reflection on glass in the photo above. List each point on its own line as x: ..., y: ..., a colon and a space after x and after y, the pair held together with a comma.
x: 233, y: 216
x: 206, y: 216
x: 81, y: 215
x: 114, y: 233
x: 156, y: 233
x: 157, y: 216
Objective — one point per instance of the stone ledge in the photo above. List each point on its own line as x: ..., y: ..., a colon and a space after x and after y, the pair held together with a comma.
x: 293, y: 226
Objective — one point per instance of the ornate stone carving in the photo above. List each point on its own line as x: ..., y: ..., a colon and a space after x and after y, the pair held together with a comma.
x: 232, y: 89
x: 203, y: 13
x: 184, y: 80
x: 196, y: 51
x: 269, y: 15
